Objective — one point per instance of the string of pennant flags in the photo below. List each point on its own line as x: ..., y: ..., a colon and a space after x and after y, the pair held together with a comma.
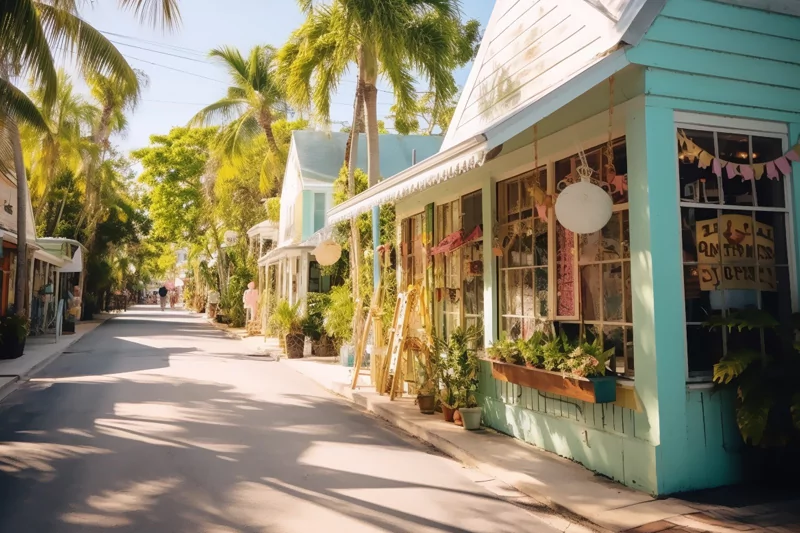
x: 771, y: 169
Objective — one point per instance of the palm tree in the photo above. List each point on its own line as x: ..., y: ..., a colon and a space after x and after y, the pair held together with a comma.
x: 389, y: 38
x: 254, y: 100
x: 65, y: 143
x: 114, y: 97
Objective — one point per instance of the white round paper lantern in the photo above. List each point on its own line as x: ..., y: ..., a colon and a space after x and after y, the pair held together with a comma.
x: 327, y: 252
x: 583, y: 207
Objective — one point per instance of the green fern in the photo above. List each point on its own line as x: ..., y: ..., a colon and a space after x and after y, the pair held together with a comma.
x: 733, y: 365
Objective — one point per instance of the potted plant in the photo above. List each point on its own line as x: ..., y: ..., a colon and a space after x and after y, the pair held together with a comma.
x: 426, y: 382
x: 14, y: 331
x: 767, y: 393
x: 468, y: 372
x: 288, y: 321
x: 453, y: 354
x: 338, y: 322
x: 553, y: 363
x: 505, y: 350
x: 314, y: 325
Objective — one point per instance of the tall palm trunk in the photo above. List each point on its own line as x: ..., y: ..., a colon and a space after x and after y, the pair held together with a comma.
x: 352, y: 162
x: 368, y: 72
x: 265, y: 121
x: 100, y: 138
x: 21, y: 282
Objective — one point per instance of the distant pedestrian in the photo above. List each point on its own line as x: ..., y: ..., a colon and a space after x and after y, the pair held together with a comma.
x: 162, y: 296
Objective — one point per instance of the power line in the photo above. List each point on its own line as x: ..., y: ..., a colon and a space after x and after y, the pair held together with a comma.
x: 156, y: 43
x: 176, y: 69
x: 159, y: 52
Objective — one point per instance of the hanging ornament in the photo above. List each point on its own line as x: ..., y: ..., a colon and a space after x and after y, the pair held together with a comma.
x: 327, y: 252
x: 584, y: 205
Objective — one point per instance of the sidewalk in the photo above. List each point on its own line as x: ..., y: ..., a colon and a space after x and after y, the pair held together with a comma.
x: 561, y: 484
x: 39, y: 352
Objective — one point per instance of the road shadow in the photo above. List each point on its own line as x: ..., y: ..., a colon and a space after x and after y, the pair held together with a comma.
x: 122, y: 435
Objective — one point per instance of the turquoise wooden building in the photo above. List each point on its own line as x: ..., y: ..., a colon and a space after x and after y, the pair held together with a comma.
x: 697, y: 105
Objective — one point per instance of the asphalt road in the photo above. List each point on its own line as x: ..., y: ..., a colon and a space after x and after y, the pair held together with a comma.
x: 156, y: 422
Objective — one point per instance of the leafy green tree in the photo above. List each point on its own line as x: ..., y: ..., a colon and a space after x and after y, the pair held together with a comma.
x: 174, y: 167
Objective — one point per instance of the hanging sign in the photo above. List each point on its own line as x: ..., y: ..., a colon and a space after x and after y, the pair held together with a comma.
x: 727, y: 260
x: 231, y: 237
x: 772, y: 169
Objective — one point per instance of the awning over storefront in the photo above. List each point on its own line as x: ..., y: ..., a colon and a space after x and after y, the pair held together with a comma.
x: 293, y: 250
x: 76, y: 265
x: 47, y: 257
x: 472, y: 153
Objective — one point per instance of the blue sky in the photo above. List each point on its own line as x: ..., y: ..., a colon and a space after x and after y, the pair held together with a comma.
x: 173, y: 97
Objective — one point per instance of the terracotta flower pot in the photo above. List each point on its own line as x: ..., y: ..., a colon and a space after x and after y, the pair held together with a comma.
x: 427, y: 403
x: 295, y: 343
x: 457, y: 418
x: 448, y: 413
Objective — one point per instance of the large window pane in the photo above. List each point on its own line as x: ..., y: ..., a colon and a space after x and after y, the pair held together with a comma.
x: 769, y: 192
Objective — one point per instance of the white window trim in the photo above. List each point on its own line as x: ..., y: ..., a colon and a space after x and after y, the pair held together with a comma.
x: 717, y: 123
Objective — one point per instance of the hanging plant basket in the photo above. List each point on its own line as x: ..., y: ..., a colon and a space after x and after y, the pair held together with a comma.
x: 601, y: 389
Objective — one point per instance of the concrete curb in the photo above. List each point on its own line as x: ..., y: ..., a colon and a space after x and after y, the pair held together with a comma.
x: 11, y: 386
x: 449, y: 448
x: 605, y: 512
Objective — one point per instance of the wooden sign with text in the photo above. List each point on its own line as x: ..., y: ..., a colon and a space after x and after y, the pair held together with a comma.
x: 740, y: 256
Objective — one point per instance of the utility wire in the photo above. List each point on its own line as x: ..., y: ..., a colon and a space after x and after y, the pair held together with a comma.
x: 177, y: 70
x: 160, y: 52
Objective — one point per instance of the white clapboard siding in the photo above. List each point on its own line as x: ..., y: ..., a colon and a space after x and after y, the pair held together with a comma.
x: 530, y: 48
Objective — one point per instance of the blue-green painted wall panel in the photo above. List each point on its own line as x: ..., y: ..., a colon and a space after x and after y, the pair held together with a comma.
x: 308, y: 215
x: 706, y: 57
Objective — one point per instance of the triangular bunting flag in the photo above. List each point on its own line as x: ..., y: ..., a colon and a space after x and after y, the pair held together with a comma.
x: 705, y: 159
x: 747, y: 172
x: 783, y: 165
x: 772, y: 172
x: 791, y: 155
x: 717, y: 167
x: 758, y: 169
x: 732, y: 169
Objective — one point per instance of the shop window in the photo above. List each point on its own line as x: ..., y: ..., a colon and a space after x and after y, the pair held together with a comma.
x: 602, y: 299
x: 413, y: 250
x: 525, y: 261
x: 458, y: 263
x: 317, y: 282
x: 735, y: 240
x: 547, y: 273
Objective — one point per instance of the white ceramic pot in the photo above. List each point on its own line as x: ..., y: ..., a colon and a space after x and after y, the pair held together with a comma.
x: 471, y: 417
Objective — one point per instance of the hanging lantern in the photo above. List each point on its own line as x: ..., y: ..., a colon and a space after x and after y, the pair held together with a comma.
x: 327, y: 252
x: 584, y: 205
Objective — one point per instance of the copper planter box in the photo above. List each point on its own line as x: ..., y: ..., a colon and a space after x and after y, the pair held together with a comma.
x: 593, y: 390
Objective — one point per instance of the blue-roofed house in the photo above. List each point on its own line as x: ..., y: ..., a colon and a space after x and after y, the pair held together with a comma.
x: 314, y: 161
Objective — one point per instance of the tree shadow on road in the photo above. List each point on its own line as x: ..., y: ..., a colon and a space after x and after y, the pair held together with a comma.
x: 162, y: 440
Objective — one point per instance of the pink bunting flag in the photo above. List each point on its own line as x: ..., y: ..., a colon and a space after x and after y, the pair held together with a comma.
x: 619, y: 184
x: 733, y: 170
x: 791, y: 155
x: 541, y: 211
x: 747, y: 172
x: 717, y: 168
x: 772, y: 172
x: 783, y: 165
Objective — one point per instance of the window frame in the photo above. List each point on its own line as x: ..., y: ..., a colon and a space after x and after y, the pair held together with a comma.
x: 751, y: 128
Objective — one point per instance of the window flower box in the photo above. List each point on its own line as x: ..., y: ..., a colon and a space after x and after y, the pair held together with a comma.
x: 602, y: 389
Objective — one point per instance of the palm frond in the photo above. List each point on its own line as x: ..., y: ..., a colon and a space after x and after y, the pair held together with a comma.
x: 234, y: 138
x: 220, y: 112
x: 94, y: 53
x: 234, y: 62
x: 18, y: 106
x: 155, y: 12
x: 23, y: 42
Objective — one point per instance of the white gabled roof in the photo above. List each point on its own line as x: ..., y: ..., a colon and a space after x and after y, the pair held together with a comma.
x: 532, y: 48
